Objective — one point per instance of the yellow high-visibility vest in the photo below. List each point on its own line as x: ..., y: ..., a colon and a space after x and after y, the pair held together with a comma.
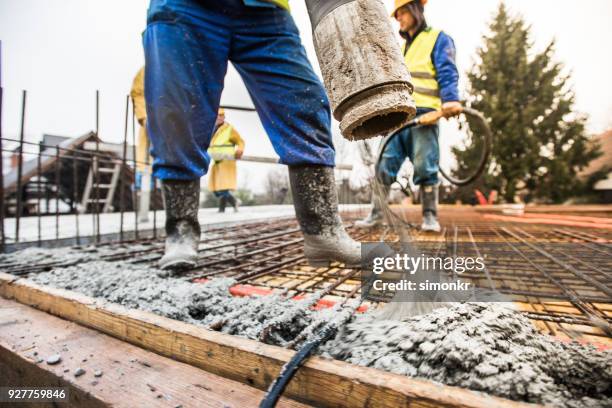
x: 221, y: 146
x: 423, y: 72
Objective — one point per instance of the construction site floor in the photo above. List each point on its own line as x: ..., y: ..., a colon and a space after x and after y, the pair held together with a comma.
x: 553, y: 262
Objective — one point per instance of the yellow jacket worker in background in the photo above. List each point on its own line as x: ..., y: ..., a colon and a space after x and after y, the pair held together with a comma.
x: 225, y: 148
x: 137, y: 94
x: 143, y: 169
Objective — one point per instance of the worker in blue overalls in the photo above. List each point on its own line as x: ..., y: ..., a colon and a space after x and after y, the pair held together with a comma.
x: 430, y: 57
x: 188, y: 44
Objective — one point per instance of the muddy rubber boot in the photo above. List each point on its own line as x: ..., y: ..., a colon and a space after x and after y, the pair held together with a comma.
x: 316, y: 207
x: 233, y: 202
x: 182, y: 228
x: 375, y: 218
x: 222, y: 204
x: 429, y: 199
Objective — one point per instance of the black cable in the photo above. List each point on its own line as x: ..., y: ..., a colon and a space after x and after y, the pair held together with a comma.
x: 484, y: 154
x: 288, y: 371
x: 238, y: 108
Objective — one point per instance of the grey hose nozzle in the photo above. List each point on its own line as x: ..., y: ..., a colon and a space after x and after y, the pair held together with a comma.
x: 368, y: 84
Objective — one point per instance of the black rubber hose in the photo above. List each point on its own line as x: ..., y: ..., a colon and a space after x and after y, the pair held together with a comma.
x: 288, y: 371
x: 238, y: 108
x: 277, y: 388
x: 484, y: 155
x: 317, y: 9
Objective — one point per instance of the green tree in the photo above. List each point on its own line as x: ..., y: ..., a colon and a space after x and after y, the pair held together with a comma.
x: 540, y: 142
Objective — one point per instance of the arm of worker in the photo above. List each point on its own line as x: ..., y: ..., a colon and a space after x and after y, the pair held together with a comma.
x: 238, y: 142
x: 137, y: 94
x: 447, y: 74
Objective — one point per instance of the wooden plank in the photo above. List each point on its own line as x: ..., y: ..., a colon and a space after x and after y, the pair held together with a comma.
x: 131, y: 376
x: 321, y: 382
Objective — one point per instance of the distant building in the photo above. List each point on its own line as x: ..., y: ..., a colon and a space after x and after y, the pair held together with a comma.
x: 604, y: 187
x: 60, y: 177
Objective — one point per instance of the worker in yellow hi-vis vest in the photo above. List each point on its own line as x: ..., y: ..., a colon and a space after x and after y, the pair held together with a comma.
x: 430, y: 56
x: 225, y: 148
x: 143, y: 158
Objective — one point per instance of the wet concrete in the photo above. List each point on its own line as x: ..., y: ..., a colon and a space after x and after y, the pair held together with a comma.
x: 141, y: 287
x: 484, y: 347
x: 489, y: 348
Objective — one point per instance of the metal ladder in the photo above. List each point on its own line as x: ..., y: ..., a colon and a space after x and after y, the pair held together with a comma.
x: 109, y: 186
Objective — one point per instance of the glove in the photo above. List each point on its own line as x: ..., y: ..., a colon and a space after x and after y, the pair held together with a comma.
x: 238, y: 154
x: 450, y: 109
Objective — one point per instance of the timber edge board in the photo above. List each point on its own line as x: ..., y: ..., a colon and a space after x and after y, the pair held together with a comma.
x: 321, y: 381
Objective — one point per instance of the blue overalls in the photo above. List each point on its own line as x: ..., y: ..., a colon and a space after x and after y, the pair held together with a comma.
x: 188, y: 44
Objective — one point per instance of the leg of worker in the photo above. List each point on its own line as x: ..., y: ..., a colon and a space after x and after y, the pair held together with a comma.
x: 222, y: 196
x: 232, y: 201
x: 145, y: 196
x: 186, y: 51
x: 386, y: 170
x: 425, y: 156
x: 294, y: 110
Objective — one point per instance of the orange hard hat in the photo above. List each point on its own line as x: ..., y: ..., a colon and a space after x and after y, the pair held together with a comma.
x: 401, y: 3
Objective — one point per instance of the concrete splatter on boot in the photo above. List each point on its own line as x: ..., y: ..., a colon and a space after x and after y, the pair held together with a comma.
x: 429, y: 198
x: 182, y: 228
x: 316, y: 207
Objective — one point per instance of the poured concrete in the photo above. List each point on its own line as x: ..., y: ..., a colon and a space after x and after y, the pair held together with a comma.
x: 490, y: 348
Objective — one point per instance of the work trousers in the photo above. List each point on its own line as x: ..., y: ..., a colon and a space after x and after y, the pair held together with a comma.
x: 420, y: 145
x: 188, y: 44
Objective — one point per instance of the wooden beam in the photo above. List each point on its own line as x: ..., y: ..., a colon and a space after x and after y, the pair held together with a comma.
x: 321, y: 382
x: 130, y: 376
x: 105, y: 147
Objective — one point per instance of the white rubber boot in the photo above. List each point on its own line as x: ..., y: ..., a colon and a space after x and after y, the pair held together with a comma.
x: 182, y: 228
x: 316, y: 207
x: 375, y: 218
x: 429, y: 199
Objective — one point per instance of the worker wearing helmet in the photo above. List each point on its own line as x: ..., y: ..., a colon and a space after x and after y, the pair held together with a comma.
x: 188, y: 44
x: 430, y: 56
x: 225, y: 148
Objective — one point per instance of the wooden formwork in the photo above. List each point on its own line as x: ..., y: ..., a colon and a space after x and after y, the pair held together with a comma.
x: 320, y: 382
x: 116, y: 374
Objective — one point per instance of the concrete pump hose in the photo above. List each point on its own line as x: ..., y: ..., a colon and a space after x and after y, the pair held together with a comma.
x: 367, y: 81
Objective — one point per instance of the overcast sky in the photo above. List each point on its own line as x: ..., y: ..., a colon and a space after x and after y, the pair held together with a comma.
x: 61, y: 51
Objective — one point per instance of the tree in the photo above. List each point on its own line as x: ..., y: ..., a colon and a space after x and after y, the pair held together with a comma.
x: 540, y: 142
